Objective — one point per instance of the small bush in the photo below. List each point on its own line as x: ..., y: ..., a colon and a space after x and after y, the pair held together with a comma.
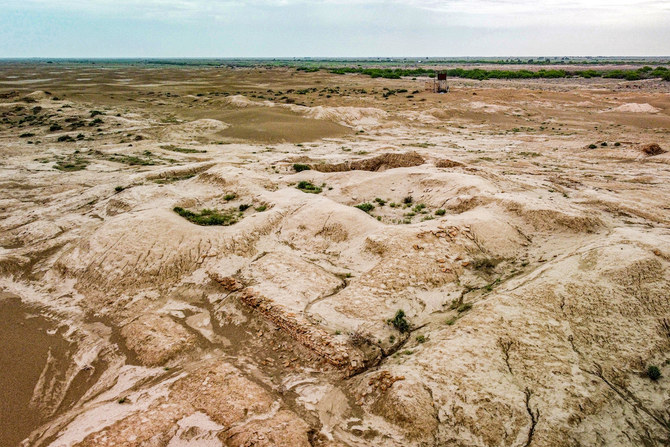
x: 119, y: 188
x: 407, y: 200
x: 308, y: 187
x: 27, y: 135
x: 464, y: 307
x: 440, y: 212
x: 653, y: 372
x: 55, y: 127
x: 367, y: 207
x: 592, y: 146
x: 207, y: 217
x: 484, y: 263
x: 400, y: 322
x: 420, y: 338
x: 381, y: 202
x: 297, y: 167
x: 229, y: 197
x: 261, y: 208
x: 450, y: 321
x: 244, y: 207
x: 65, y: 139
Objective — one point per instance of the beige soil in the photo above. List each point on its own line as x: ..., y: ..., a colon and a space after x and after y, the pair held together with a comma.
x: 532, y: 263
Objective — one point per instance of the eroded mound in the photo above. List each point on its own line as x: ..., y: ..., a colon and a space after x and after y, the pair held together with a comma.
x: 452, y: 272
x: 372, y: 164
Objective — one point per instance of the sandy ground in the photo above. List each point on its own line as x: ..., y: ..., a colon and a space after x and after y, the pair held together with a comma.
x: 520, y: 227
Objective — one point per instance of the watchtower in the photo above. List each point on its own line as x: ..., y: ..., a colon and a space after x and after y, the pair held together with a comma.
x: 440, y: 83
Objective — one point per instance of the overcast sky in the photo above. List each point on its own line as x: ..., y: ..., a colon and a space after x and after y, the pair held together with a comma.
x: 280, y: 28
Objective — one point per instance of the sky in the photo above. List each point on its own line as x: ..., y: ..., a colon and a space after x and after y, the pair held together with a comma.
x: 333, y: 28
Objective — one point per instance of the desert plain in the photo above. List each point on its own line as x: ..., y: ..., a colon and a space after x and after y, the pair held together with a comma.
x: 260, y: 256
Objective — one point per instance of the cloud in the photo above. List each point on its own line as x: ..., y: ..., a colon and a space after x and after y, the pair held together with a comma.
x: 336, y: 27
x: 471, y: 10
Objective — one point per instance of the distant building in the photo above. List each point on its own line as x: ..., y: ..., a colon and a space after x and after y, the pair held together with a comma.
x: 440, y: 83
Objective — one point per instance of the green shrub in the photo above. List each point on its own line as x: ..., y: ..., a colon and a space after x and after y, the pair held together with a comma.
x: 55, y: 127
x: 400, y: 322
x: 119, y: 188
x: 653, y: 372
x: 464, y: 307
x: 229, y: 197
x: 308, y: 187
x: 207, y: 217
x: 65, y: 139
x: 381, y: 202
x: 592, y: 146
x: 261, y: 208
x: 407, y: 200
x: 440, y: 212
x: 420, y: 338
x: 367, y: 207
x: 297, y: 167
x: 244, y: 207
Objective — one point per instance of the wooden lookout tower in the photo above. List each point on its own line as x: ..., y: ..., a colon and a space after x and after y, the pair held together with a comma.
x: 440, y: 82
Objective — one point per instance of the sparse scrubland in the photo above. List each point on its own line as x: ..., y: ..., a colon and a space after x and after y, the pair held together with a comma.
x: 331, y: 256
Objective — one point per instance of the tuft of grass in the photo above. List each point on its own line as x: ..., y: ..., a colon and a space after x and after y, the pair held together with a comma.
x: 229, y: 197
x: 297, y: 167
x: 440, y: 212
x: 381, y: 202
x: 367, y: 207
x: 464, y: 307
x: 71, y: 164
x: 182, y: 150
x: 207, y: 217
x: 407, y: 200
x: 451, y: 321
x: 400, y: 322
x: 485, y: 263
x: 308, y: 187
x: 261, y: 208
x: 133, y: 160
x: 653, y: 372
x: 421, y: 338
x: 244, y: 207
x: 166, y: 180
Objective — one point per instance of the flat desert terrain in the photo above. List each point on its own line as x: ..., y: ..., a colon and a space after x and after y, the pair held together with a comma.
x: 208, y: 256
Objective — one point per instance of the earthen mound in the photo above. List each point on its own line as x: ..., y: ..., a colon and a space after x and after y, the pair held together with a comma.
x: 378, y: 163
x: 652, y: 149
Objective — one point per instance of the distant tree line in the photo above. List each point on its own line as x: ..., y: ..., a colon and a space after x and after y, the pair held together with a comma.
x: 645, y: 72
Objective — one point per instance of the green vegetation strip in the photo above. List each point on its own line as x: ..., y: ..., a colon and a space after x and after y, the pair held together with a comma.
x: 645, y: 72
